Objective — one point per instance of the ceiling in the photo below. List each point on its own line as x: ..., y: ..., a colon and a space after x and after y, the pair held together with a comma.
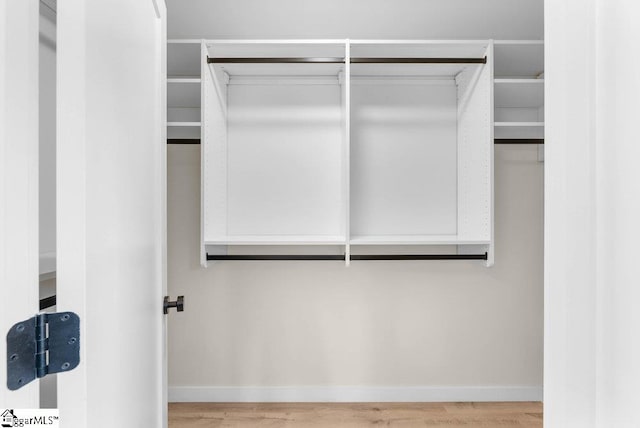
x: 383, y: 19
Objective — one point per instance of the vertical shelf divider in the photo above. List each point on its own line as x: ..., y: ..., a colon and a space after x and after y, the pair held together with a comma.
x: 347, y: 156
x: 203, y: 100
x: 491, y: 250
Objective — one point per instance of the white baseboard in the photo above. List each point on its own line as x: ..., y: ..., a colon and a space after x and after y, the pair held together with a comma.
x: 353, y: 394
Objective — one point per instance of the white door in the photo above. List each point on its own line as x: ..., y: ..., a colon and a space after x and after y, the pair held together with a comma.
x: 18, y: 180
x: 111, y: 154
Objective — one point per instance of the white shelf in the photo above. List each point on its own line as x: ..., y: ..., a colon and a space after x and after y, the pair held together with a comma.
x: 278, y: 240
x: 517, y: 80
x: 519, y: 130
x: 338, y: 240
x: 183, y: 124
x: 184, y: 41
x: 183, y: 130
x: 519, y: 93
x: 178, y: 80
x: 419, y: 48
x: 275, y: 48
x: 414, y: 240
x: 519, y: 124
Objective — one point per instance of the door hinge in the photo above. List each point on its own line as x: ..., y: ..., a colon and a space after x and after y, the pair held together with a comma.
x: 44, y: 344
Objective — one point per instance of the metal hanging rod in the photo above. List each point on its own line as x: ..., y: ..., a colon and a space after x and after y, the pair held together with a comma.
x: 419, y: 256
x: 273, y: 60
x: 333, y: 60
x: 365, y: 257
x: 419, y: 60
x: 276, y: 257
x: 496, y: 141
x: 183, y: 140
x: 47, y: 302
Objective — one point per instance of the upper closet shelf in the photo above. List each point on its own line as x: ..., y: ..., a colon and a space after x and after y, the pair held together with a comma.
x: 519, y: 130
x: 327, y: 58
x: 220, y: 52
x: 180, y: 80
x: 183, y: 124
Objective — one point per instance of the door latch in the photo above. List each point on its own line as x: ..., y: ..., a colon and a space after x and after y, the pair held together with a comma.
x: 44, y: 344
x: 178, y: 304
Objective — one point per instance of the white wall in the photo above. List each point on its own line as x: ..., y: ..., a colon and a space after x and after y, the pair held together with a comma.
x: 421, y: 330
x: 431, y: 19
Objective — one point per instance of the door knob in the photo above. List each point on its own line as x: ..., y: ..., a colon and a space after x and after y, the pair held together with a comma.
x: 178, y: 304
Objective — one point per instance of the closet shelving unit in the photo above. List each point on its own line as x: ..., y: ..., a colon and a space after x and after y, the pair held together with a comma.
x: 338, y: 150
x: 357, y: 150
x: 184, y: 118
x: 519, y: 91
x: 421, y: 152
x: 274, y: 144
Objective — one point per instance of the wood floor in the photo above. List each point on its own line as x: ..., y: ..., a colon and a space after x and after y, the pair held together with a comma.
x: 340, y: 415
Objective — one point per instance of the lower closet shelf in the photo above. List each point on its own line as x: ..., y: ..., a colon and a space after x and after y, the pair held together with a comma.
x: 414, y: 240
x: 277, y: 240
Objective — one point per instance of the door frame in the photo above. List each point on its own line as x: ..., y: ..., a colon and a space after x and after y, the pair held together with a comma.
x: 19, y: 147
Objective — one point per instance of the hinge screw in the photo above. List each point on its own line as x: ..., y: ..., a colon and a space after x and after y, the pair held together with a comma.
x: 65, y: 366
x: 20, y: 328
x: 13, y: 357
x: 65, y: 317
x: 72, y: 341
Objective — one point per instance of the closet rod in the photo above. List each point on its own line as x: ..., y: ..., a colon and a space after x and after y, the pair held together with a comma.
x: 276, y: 257
x: 419, y: 60
x: 418, y: 256
x: 496, y: 141
x: 274, y: 60
x: 183, y: 140
x: 323, y: 60
x: 243, y: 257
x: 47, y: 302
